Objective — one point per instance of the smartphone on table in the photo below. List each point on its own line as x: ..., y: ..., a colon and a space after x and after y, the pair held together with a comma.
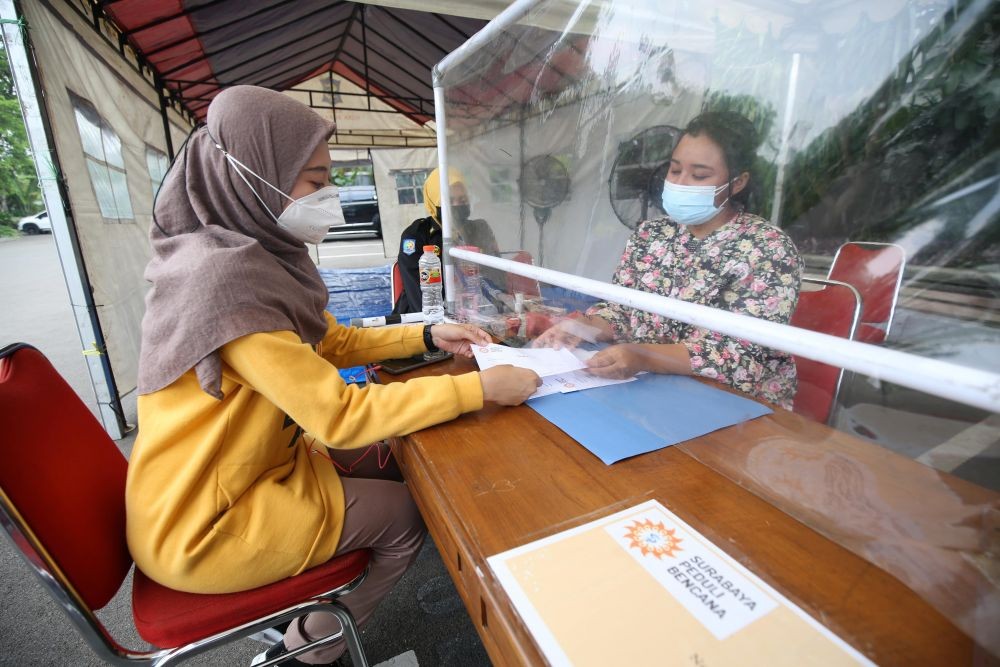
x: 397, y: 366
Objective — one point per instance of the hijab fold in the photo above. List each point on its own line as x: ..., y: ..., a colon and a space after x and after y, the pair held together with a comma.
x: 221, y: 266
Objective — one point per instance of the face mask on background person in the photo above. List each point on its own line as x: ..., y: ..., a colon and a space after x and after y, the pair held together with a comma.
x: 691, y: 204
x: 459, y: 213
x: 307, y: 218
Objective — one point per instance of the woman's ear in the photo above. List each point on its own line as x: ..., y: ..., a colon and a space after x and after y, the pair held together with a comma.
x: 740, y: 182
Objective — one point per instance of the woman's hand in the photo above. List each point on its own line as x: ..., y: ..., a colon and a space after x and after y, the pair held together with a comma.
x: 459, y: 338
x: 623, y: 361
x: 508, y: 385
x: 569, y: 333
x: 618, y: 362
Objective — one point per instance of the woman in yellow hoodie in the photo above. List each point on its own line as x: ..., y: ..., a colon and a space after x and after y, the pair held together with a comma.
x: 230, y: 482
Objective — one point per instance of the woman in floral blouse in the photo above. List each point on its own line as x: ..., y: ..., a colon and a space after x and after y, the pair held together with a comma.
x: 708, y: 250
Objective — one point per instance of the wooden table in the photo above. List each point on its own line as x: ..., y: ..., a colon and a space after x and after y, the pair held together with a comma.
x: 502, y: 477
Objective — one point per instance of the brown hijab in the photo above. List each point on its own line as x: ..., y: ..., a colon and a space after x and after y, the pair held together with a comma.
x: 221, y: 266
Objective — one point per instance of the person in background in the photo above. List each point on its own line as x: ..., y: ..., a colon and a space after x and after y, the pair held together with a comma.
x: 711, y: 250
x: 250, y: 466
x: 427, y: 231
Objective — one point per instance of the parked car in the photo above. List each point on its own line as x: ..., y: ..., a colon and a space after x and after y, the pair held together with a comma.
x: 360, y: 205
x: 35, y: 224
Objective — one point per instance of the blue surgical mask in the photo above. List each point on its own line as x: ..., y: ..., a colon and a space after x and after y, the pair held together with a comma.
x: 691, y: 204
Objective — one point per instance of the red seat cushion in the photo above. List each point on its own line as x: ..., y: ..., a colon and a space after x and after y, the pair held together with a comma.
x: 169, y: 618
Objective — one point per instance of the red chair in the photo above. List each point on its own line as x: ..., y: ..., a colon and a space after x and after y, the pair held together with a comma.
x: 834, y: 309
x: 396, y: 283
x: 876, y: 271
x: 62, y: 502
x: 516, y: 283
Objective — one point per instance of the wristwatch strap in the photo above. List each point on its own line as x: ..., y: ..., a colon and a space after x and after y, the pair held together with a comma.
x: 429, y: 339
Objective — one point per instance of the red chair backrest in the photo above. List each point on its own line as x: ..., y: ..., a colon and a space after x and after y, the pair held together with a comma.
x: 397, y: 283
x: 515, y: 283
x: 62, y: 474
x: 875, y: 270
x: 832, y: 310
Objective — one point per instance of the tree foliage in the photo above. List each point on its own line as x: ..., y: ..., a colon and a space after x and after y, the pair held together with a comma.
x: 919, y: 156
x: 19, y: 191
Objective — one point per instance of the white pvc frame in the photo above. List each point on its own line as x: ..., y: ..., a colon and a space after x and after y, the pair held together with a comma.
x: 516, y: 11
x: 939, y: 378
x: 966, y: 385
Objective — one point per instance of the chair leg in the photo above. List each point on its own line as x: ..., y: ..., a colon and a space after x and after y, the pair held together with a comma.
x: 349, y: 632
x: 352, y: 636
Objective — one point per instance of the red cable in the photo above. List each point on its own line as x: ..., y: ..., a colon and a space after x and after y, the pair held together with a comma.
x: 382, y: 463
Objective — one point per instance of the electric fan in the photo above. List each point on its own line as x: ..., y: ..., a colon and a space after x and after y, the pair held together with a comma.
x: 544, y: 184
x: 637, y: 175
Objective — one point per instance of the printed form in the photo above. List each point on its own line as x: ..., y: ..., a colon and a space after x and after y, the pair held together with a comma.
x: 562, y: 371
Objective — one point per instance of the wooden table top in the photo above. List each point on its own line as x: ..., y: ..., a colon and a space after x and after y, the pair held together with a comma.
x: 502, y: 477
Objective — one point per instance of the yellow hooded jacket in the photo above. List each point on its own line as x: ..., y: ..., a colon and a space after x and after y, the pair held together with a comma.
x: 229, y: 495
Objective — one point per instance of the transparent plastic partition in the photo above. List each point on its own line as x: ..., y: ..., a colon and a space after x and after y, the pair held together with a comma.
x: 869, y: 122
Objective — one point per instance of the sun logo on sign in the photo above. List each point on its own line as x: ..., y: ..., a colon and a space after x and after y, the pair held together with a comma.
x: 653, y: 539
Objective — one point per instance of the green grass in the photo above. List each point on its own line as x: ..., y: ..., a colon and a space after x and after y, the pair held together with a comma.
x: 6, y: 232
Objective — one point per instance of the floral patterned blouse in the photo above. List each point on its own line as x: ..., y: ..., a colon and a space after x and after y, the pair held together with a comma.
x: 746, y: 266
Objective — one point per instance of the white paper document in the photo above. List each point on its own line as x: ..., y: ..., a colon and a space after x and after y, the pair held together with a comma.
x: 544, y: 361
x: 564, y: 383
x: 562, y: 371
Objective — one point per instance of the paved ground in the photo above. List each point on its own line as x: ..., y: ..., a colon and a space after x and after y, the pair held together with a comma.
x: 352, y: 254
x: 423, y: 614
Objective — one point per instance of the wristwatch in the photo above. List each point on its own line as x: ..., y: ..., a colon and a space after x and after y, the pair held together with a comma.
x: 429, y: 339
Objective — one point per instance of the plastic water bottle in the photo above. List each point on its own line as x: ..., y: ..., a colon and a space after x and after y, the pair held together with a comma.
x: 470, y: 288
x: 431, y: 296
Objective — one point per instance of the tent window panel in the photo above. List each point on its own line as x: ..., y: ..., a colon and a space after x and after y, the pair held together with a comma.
x: 119, y: 186
x: 501, y: 185
x: 101, y: 179
x: 90, y: 133
x: 157, y: 164
x: 410, y: 185
x: 112, y: 147
x: 102, y: 148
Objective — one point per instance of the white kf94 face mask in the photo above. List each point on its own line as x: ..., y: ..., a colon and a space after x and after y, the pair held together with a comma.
x: 307, y: 218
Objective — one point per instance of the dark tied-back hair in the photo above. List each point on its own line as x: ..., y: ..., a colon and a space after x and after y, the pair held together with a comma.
x: 737, y: 138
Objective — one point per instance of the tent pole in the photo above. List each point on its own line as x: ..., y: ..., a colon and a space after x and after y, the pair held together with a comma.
x: 520, y: 172
x: 166, y: 123
x: 786, y: 133
x: 17, y: 42
x: 364, y: 53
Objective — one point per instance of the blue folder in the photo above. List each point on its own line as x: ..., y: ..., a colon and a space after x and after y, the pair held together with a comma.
x: 655, y: 411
